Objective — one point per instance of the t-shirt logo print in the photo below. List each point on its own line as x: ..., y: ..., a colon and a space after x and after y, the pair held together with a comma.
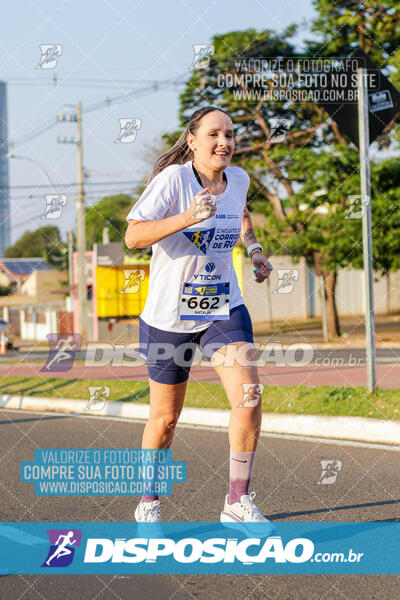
x: 201, y: 239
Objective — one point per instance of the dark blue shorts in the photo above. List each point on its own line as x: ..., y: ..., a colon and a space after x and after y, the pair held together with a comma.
x: 169, y: 355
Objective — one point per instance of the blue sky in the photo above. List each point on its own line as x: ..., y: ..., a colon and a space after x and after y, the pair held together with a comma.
x: 122, y: 45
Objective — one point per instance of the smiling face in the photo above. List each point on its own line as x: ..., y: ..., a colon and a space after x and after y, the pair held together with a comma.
x: 212, y: 142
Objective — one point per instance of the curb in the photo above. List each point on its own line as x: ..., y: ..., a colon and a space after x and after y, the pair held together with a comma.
x: 340, y: 428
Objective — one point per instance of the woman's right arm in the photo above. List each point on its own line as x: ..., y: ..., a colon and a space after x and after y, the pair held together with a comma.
x: 141, y: 234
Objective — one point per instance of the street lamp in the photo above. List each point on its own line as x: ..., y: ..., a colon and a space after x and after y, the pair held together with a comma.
x: 44, y: 173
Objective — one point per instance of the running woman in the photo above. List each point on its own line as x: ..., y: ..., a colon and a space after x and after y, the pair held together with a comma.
x: 192, y: 213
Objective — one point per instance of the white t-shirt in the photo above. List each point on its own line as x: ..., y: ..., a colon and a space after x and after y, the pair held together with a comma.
x: 201, y: 253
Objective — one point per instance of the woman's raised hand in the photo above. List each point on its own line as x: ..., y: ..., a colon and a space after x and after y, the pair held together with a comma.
x: 203, y: 207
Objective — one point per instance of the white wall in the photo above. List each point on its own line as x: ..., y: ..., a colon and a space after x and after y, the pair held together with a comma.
x: 264, y: 303
x: 304, y: 300
x: 38, y: 331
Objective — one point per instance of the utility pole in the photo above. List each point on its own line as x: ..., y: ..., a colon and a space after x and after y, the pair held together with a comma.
x: 81, y: 237
x: 363, y: 126
x: 80, y: 222
x: 71, y: 268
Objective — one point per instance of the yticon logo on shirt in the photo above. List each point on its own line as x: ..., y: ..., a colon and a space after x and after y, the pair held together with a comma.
x: 209, y: 276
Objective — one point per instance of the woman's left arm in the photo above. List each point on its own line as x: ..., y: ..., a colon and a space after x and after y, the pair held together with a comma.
x: 262, y: 266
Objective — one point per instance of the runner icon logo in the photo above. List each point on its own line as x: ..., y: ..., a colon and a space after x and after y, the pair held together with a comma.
x: 286, y: 280
x: 330, y: 470
x: 357, y: 206
x: 62, y: 550
x: 97, y: 397
x: 50, y: 54
x: 133, y: 279
x: 54, y: 206
x: 202, y: 55
x: 200, y: 239
x: 278, y: 129
x: 62, y: 351
x: 252, y: 394
x: 128, y: 130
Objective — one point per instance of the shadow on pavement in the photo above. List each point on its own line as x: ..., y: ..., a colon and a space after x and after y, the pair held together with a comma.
x: 335, y: 508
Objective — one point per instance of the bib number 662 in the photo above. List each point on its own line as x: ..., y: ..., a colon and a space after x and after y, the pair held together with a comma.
x: 203, y: 303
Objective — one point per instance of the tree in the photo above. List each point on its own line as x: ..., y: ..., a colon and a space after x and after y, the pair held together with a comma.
x: 44, y: 242
x: 373, y: 26
x: 342, y: 25
x: 277, y: 170
x: 302, y: 185
x: 109, y: 212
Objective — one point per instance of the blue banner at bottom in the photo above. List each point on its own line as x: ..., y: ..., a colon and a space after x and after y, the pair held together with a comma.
x: 214, y: 548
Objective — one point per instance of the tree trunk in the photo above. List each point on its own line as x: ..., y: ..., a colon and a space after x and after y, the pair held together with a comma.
x: 329, y: 296
x: 332, y: 316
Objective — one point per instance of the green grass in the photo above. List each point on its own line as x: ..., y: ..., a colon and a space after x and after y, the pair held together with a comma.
x: 323, y: 400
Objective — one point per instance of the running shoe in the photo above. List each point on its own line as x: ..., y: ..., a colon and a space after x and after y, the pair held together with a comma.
x: 148, y: 512
x: 242, y: 513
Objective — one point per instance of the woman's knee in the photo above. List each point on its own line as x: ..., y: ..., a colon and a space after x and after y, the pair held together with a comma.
x: 249, y: 416
x: 251, y: 396
x: 166, y: 421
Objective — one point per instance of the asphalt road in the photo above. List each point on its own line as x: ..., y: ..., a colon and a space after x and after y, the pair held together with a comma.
x: 285, y: 477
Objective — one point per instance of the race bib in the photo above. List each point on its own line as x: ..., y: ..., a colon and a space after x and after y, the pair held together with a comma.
x: 204, y: 302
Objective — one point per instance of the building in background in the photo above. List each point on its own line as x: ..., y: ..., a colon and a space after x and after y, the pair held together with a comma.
x: 5, y: 220
x: 117, y: 288
x: 38, y: 307
x: 14, y: 271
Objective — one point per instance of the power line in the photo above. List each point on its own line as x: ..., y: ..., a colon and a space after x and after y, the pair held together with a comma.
x: 67, y: 185
x: 37, y: 217
x: 32, y: 135
x: 85, y: 82
x: 41, y: 196
x: 155, y: 86
x: 95, y: 86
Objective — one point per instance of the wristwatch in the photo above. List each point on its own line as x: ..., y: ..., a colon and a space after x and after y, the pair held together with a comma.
x: 253, y: 248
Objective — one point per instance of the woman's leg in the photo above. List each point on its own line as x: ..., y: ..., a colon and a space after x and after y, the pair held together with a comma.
x: 245, y: 421
x: 245, y: 418
x: 166, y: 402
x: 168, y: 377
x: 168, y: 383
